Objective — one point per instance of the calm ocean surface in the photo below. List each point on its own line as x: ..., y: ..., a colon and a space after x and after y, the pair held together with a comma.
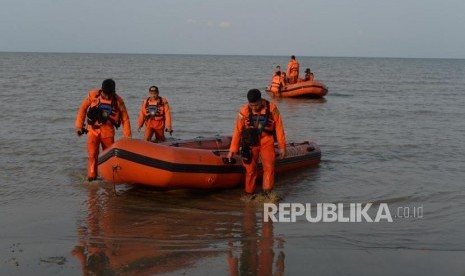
x: 390, y: 130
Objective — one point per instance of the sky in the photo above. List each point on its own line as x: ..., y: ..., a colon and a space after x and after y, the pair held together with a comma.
x: 341, y: 28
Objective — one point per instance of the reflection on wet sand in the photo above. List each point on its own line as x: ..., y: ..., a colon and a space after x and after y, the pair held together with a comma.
x: 256, y: 248
x: 147, y: 231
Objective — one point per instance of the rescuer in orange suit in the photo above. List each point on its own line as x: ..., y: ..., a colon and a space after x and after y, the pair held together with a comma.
x: 283, y: 74
x: 284, y: 78
x: 256, y: 125
x: 293, y: 70
x: 105, y: 110
x: 277, y: 69
x: 156, y: 115
x: 277, y: 82
x: 308, y: 76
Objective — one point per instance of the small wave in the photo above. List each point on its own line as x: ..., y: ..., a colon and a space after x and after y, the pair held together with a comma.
x: 340, y: 95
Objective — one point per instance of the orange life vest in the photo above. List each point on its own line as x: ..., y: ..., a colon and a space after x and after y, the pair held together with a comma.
x: 155, y: 109
x: 276, y: 83
x: 262, y: 122
x: 294, y: 66
x: 103, y: 110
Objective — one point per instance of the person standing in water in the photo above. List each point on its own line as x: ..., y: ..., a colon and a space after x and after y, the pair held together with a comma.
x: 105, y: 111
x: 156, y: 115
x: 257, y: 125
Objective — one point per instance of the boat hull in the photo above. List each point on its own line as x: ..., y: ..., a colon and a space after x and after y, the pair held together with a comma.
x: 174, y: 165
x: 306, y: 89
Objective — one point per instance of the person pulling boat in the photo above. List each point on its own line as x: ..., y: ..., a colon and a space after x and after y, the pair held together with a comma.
x: 105, y: 111
x: 257, y: 125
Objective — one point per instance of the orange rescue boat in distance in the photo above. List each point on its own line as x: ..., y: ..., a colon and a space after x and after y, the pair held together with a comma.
x: 197, y: 163
x: 305, y: 89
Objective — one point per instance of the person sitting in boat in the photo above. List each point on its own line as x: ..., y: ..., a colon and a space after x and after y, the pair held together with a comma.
x: 277, y: 83
x: 293, y: 70
x: 283, y: 74
x: 308, y: 76
x: 257, y: 123
x: 284, y: 77
x: 277, y: 69
x: 105, y: 110
x: 156, y: 115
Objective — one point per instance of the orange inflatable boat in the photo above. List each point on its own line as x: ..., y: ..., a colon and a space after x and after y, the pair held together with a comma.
x: 305, y: 89
x: 197, y: 163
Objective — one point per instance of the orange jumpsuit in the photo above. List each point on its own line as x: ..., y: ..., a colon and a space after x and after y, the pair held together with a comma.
x: 156, y: 115
x: 283, y: 77
x: 293, y: 71
x: 308, y: 77
x: 277, y: 83
x: 101, y: 133
x: 265, y: 148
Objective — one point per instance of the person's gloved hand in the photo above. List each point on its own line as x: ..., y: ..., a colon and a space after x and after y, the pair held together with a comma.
x: 282, y: 153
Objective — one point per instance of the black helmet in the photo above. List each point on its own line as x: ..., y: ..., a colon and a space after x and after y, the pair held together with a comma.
x: 153, y: 88
x: 254, y: 95
x: 108, y: 87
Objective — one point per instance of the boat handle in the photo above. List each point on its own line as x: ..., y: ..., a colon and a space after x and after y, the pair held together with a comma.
x: 310, y: 148
x: 227, y: 161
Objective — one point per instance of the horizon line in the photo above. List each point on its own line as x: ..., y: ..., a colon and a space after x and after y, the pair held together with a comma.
x: 184, y: 54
